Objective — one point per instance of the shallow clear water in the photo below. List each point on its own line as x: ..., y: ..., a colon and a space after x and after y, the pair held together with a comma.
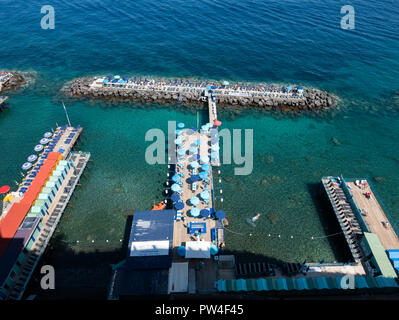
x: 298, y: 42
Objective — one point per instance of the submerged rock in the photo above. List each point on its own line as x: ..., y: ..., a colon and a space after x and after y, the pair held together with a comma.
x: 335, y: 141
x: 273, y: 218
x: 380, y: 179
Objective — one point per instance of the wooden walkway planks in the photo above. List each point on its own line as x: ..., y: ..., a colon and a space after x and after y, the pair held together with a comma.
x: 374, y: 216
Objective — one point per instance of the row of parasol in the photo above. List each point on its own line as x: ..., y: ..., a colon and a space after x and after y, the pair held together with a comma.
x: 33, y: 157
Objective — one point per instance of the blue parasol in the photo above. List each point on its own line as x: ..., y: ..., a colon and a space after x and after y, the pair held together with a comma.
x: 205, y: 167
x: 175, y: 187
x: 197, y: 142
x: 194, y: 164
x: 179, y: 205
x: 180, y: 125
x: 204, y: 213
x: 203, y: 175
x: 195, y: 212
x: 194, y: 200
x: 204, y: 194
x: 175, y: 197
x: 194, y: 178
x: 220, y: 214
x: 193, y: 149
x: 204, y: 159
x: 213, y: 249
x: 176, y: 178
x: 214, y: 140
x: 181, y: 251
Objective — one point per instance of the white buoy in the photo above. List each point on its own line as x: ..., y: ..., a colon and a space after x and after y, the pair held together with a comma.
x: 221, y: 191
x: 106, y: 241
x: 221, y: 200
x: 279, y: 236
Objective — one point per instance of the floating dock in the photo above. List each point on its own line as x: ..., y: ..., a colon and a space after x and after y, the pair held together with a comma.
x: 31, y: 214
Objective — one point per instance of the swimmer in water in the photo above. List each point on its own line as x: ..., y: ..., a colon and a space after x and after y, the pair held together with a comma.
x: 256, y: 217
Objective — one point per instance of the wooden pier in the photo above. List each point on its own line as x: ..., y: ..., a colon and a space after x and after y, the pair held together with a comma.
x: 180, y: 229
x: 50, y: 222
x: 372, y: 213
x: 189, y: 137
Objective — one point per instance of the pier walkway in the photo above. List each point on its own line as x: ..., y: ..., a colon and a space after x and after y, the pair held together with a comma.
x: 68, y: 138
x: 199, y: 87
x: 190, y: 189
x: 212, y: 110
x: 373, y: 214
x: 50, y: 222
x: 202, y: 142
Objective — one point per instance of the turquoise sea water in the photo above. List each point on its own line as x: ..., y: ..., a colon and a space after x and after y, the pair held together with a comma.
x: 295, y: 41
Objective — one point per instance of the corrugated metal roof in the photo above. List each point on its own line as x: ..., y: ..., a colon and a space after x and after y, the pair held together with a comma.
x: 151, y: 226
x: 380, y: 256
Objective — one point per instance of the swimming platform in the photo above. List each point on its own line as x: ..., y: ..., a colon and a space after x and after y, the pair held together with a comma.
x: 31, y: 214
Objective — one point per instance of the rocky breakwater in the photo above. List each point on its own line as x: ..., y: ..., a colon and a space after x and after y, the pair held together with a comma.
x: 16, y: 81
x: 310, y: 99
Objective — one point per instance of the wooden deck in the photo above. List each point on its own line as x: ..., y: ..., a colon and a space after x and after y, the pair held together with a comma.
x: 374, y: 216
x: 50, y: 222
x: 180, y: 227
x: 61, y: 145
x: 212, y: 110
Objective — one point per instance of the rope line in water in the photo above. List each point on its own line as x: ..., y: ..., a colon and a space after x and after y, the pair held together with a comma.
x: 291, y: 236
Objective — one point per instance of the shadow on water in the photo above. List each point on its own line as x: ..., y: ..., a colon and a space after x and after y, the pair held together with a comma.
x: 78, y: 275
x: 329, y: 221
